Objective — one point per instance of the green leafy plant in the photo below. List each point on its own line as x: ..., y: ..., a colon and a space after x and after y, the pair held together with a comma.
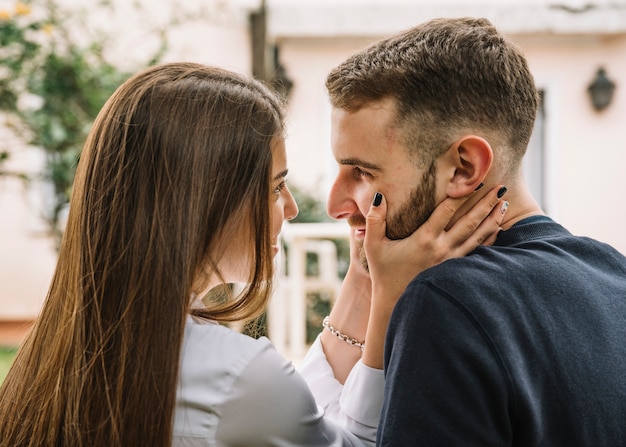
x: 6, y: 359
x: 52, y: 85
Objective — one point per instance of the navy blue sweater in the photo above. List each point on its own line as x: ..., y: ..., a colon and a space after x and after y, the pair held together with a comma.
x: 518, y: 344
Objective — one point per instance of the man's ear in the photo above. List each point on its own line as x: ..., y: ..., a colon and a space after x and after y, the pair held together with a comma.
x: 468, y: 162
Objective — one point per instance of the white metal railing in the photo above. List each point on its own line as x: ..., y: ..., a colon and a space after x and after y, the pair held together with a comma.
x: 287, y: 314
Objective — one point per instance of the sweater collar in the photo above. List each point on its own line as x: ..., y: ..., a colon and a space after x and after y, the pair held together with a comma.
x: 533, y: 227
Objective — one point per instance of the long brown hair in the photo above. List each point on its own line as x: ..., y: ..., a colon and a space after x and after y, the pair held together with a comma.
x: 176, y: 157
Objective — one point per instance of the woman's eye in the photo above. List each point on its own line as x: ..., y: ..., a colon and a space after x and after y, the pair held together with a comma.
x: 280, y: 187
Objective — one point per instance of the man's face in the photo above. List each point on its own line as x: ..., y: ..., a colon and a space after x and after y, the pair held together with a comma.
x: 372, y: 158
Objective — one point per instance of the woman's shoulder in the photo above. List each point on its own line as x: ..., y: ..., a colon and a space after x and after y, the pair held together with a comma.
x: 213, y: 357
x: 213, y: 345
x: 221, y: 372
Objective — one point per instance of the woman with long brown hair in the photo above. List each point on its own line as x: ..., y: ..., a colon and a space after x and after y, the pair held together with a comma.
x: 180, y: 189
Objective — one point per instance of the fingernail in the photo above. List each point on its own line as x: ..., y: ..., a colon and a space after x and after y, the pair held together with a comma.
x: 502, y: 191
x: 478, y: 187
x: 505, y: 206
x: 378, y: 198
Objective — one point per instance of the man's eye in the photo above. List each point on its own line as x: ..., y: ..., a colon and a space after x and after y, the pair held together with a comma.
x: 359, y: 173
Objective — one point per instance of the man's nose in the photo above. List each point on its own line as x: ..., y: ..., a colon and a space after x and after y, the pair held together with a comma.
x: 341, y: 202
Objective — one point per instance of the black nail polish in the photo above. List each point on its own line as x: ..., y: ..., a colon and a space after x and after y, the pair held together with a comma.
x: 502, y: 191
x: 378, y: 198
x: 479, y: 186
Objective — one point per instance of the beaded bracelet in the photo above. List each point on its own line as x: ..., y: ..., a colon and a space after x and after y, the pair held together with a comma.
x: 340, y: 336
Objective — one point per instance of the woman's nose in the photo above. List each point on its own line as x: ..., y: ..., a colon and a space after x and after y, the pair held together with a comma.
x: 291, y: 207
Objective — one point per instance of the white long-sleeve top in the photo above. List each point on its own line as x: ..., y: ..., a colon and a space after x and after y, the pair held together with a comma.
x: 238, y: 391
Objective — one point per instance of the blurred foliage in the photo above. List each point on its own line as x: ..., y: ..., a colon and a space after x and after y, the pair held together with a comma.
x: 6, y: 359
x: 52, y: 85
x: 310, y: 208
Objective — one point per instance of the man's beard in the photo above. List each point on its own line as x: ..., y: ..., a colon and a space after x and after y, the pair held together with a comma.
x: 409, y: 217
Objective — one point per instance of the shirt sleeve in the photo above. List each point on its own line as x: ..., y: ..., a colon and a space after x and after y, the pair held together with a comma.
x: 271, y: 404
x: 355, y: 405
x: 320, y: 378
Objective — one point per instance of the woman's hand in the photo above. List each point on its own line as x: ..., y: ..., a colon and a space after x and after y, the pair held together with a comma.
x: 350, y: 314
x: 394, y: 263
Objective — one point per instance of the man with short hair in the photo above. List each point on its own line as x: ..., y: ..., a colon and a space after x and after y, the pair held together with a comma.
x: 519, y: 343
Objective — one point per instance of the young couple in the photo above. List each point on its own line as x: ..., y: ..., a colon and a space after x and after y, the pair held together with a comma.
x: 517, y: 339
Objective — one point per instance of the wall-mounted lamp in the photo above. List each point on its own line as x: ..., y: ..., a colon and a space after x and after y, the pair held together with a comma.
x: 601, y: 90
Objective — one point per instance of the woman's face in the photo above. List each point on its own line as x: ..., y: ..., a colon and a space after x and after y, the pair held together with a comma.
x: 283, y: 205
x: 233, y: 261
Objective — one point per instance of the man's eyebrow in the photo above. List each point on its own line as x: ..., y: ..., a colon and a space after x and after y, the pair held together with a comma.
x: 359, y: 162
x: 281, y: 174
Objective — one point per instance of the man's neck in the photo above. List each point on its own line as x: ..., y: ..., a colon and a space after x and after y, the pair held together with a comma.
x: 521, y: 205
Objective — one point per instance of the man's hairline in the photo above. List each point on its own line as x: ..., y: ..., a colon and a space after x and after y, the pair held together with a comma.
x: 396, y: 124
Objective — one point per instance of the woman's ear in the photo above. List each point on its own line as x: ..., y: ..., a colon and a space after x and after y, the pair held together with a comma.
x: 468, y: 162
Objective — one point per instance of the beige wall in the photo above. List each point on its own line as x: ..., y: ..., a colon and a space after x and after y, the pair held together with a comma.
x: 27, y: 256
x: 586, y: 149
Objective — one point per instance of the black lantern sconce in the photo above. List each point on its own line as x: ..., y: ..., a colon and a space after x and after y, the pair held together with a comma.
x: 601, y: 90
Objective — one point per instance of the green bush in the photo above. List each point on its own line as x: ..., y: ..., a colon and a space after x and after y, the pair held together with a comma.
x: 52, y: 87
x: 6, y: 359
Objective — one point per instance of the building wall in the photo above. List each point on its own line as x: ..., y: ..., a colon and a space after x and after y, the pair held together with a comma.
x: 586, y: 150
x: 27, y: 256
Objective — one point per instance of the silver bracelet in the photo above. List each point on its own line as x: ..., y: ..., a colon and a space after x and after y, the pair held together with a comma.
x: 340, y: 336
